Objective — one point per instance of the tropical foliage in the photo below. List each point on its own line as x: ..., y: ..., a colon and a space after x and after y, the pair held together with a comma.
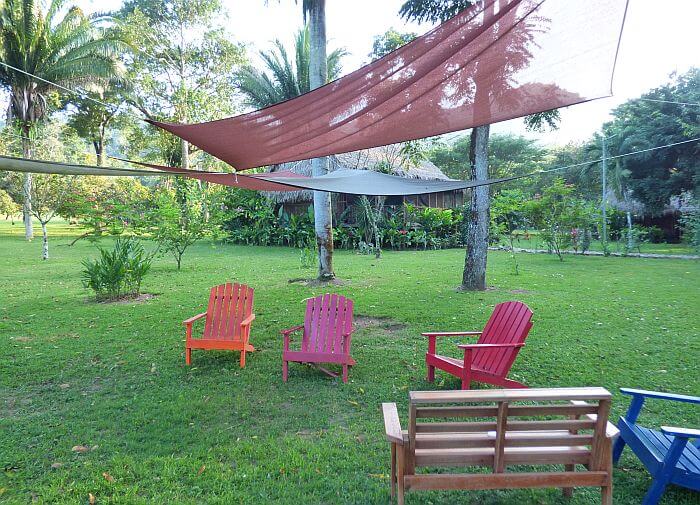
x: 118, y: 272
x: 285, y: 78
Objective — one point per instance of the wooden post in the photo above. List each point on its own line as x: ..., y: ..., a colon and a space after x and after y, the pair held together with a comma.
x: 499, y: 449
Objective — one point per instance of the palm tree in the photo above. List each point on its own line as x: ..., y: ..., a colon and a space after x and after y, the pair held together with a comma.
x: 284, y: 79
x: 315, y: 12
x: 74, y: 51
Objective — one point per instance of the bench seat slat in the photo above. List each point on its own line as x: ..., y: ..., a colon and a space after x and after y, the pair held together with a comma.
x: 513, y: 439
x: 513, y: 411
x: 451, y: 426
x: 512, y: 456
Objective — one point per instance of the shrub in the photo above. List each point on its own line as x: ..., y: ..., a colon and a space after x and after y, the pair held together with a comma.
x: 118, y: 272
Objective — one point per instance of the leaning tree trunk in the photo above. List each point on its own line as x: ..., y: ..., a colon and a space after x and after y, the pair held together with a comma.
x: 474, y: 275
x: 318, y: 75
x: 27, y: 188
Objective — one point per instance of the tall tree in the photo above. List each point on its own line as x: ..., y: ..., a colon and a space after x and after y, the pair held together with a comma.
x: 318, y: 75
x: 665, y: 115
x: 284, y: 79
x: 389, y: 41
x: 92, y: 116
x: 515, y: 57
x: 75, y: 50
x: 183, y: 67
x: 315, y: 12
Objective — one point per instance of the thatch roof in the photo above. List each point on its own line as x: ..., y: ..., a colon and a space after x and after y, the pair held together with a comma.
x: 388, y: 159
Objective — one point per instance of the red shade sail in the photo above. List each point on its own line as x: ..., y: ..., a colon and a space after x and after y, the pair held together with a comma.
x: 497, y: 60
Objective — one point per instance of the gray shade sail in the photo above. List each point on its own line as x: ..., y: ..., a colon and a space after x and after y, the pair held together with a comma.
x: 12, y: 164
x: 366, y: 182
x: 355, y: 182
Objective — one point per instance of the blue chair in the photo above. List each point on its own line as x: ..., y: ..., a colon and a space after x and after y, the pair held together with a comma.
x: 669, y: 455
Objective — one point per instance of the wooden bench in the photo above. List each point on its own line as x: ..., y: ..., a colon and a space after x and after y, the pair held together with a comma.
x: 498, y: 428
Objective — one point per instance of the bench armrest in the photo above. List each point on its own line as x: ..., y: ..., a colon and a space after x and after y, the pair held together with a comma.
x: 611, y: 430
x: 292, y: 329
x: 248, y: 320
x: 487, y: 346
x: 450, y: 333
x: 681, y: 432
x: 191, y: 320
x: 392, y: 424
x: 660, y: 396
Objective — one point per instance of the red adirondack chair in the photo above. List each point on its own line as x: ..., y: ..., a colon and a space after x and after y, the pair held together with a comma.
x: 326, y: 338
x: 227, y: 323
x: 490, y: 359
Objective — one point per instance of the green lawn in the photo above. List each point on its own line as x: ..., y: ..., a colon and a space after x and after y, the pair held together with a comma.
x: 534, y: 242
x: 111, y: 377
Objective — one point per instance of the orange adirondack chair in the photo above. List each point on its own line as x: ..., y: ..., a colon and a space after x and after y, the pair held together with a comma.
x: 227, y: 323
x: 326, y: 338
x: 490, y: 359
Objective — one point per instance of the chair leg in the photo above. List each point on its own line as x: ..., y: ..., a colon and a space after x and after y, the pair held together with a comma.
x: 431, y: 373
x: 606, y: 495
x: 656, y: 490
x: 188, y: 356
x: 466, y: 379
x: 617, y: 449
x: 243, y: 358
x: 345, y: 374
x: 284, y: 370
x: 393, y: 470
x: 399, y: 473
x: 568, y: 492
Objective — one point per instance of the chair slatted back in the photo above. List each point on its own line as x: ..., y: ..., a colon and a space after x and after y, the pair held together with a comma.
x: 328, y: 318
x: 229, y: 305
x: 504, y: 427
x: 509, y: 323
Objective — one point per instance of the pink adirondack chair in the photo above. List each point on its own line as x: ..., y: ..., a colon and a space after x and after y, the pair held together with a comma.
x: 227, y: 324
x: 490, y: 359
x: 326, y: 338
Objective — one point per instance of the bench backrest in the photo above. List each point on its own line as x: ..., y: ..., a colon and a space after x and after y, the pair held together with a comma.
x: 328, y: 318
x: 229, y: 305
x: 509, y: 323
x: 504, y: 427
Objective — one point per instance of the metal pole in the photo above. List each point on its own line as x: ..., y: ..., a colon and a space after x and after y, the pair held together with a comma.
x: 604, y: 238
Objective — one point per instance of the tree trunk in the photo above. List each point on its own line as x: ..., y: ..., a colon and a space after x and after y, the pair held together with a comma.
x: 27, y: 188
x: 318, y: 75
x: 630, y: 238
x: 474, y: 275
x: 185, y: 155
x: 100, y: 153
x: 45, y: 235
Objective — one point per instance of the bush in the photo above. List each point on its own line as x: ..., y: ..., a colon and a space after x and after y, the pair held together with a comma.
x: 117, y: 273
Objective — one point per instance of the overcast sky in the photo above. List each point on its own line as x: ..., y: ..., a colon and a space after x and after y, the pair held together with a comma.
x: 658, y: 38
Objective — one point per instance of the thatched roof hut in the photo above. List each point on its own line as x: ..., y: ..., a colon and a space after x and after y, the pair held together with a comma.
x: 387, y: 159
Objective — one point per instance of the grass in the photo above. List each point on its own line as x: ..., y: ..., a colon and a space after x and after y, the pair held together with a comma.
x: 111, y: 377
x: 614, y: 246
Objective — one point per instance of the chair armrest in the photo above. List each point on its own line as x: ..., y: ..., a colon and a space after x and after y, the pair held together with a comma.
x: 191, y: 320
x: 248, y: 320
x: 681, y: 432
x: 487, y: 346
x: 660, y: 396
x: 292, y: 330
x: 450, y: 333
x: 392, y: 424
